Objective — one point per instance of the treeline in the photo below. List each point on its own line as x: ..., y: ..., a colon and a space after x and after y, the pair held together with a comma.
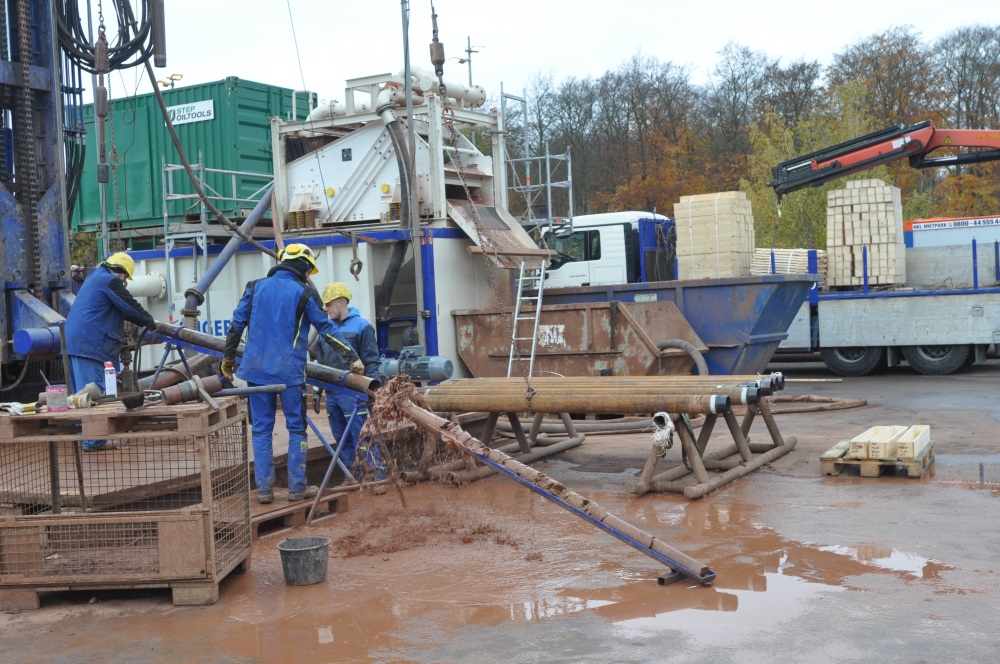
x: 643, y: 135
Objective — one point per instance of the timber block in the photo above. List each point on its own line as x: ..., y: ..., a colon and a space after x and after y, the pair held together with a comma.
x: 19, y: 599
x: 195, y: 594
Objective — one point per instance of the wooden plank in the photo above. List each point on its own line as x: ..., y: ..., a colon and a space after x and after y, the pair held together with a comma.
x: 276, y: 518
x: 837, y: 451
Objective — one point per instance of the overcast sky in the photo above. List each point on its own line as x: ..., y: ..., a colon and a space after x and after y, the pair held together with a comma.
x: 208, y: 40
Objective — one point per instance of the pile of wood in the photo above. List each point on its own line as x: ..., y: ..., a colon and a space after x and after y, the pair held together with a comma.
x: 889, y: 442
x: 787, y: 261
x: 715, y: 236
x: 867, y: 213
x: 882, y: 448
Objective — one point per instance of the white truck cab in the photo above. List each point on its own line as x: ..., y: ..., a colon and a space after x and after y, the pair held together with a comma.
x: 596, y: 250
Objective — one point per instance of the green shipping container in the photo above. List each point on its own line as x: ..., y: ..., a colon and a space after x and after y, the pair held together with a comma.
x: 227, y: 121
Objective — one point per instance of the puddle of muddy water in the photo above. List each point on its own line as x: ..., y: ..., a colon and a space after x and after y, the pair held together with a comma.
x: 969, y: 469
x: 762, y: 578
x: 534, y: 562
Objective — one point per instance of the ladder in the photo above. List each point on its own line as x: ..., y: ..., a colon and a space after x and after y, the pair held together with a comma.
x: 528, y: 279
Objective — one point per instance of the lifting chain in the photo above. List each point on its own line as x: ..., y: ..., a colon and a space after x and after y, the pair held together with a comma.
x: 27, y: 162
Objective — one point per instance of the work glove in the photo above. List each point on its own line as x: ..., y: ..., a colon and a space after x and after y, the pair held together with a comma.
x: 317, y: 397
x: 152, y: 326
x: 358, y: 367
x: 229, y: 368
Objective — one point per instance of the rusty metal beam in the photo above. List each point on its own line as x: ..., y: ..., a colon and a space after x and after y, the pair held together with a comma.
x: 642, y: 541
x: 570, y: 401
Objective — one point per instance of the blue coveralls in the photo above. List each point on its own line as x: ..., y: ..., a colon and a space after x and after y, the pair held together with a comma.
x: 94, y: 330
x: 276, y: 313
x: 360, y: 334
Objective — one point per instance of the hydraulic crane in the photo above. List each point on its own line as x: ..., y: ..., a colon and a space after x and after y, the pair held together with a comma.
x: 915, y: 142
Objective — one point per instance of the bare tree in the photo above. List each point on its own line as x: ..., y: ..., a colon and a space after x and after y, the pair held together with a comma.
x: 793, y: 92
x: 896, y: 69
x: 733, y: 102
x: 968, y: 63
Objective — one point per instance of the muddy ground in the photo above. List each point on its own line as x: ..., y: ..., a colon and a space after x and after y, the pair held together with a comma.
x: 810, y: 568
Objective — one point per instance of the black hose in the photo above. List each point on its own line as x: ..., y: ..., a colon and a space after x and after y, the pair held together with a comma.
x: 222, y: 218
x: 399, y: 249
x: 690, y: 349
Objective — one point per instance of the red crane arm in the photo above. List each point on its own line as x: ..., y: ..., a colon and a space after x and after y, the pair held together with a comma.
x: 915, y: 142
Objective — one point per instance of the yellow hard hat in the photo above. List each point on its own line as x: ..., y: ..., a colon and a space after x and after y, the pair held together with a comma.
x: 335, y: 290
x: 297, y: 250
x: 122, y: 260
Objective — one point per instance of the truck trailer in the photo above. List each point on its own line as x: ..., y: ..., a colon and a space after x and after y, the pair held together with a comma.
x: 946, y: 313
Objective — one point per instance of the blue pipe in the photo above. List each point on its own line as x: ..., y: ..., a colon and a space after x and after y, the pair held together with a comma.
x: 195, y: 296
x: 975, y: 266
x: 864, y: 265
x: 430, y: 293
x: 37, y: 342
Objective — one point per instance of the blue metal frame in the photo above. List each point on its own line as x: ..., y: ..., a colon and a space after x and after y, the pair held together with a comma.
x: 21, y: 310
x: 865, y: 293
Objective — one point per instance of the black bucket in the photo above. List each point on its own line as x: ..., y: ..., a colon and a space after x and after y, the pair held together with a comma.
x: 304, y: 559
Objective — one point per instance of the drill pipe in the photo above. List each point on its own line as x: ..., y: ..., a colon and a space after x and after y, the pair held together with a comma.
x: 740, y: 394
x: 761, y: 388
x: 175, y: 373
x: 188, y: 390
x: 587, y: 509
x: 566, y: 401
x: 351, y: 381
x: 775, y: 379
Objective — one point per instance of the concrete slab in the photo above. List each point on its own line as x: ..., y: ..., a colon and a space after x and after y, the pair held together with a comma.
x: 808, y: 570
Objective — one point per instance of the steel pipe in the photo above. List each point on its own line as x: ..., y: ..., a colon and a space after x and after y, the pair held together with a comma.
x: 699, y: 490
x: 776, y: 378
x: 194, y: 297
x: 319, y: 372
x: 188, y: 390
x: 175, y: 373
x: 739, y: 395
x: 570, y: 401
x: 642, y: 541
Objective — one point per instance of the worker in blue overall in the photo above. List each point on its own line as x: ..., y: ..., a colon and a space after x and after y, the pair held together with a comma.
x: 339, y: 405
x: 276, y: 313
x: 94, y: 326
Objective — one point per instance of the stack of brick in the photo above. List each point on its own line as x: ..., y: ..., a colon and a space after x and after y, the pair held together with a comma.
x: 867, y: 213
x: 715, y: 236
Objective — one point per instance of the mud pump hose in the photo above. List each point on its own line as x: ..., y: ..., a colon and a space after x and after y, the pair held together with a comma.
x: 392, y: 125
x: 691, y: 350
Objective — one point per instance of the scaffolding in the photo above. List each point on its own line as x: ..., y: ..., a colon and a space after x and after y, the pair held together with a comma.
x: 548, y: 165
x: 177, y: 231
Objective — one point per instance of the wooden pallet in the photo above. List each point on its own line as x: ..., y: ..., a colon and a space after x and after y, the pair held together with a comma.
x: 281, y: 515
x: 114, y: 419
x: 183, y: 593
x: 834, y: 462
